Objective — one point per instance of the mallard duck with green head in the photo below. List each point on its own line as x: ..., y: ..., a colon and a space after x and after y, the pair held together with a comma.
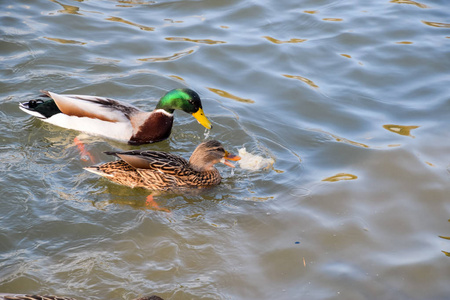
x: 113, y: 119
x: 162, y: 171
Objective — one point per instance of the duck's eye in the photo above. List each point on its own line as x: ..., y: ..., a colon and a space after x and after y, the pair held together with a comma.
x: 191, y: 102
x: 32, y: 103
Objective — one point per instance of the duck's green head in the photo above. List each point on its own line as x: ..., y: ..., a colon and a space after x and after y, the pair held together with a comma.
x: 186, y: 100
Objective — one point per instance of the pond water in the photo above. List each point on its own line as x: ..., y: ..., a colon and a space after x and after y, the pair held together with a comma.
x: 351, y: 99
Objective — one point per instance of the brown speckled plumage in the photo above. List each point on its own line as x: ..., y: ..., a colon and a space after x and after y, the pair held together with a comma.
x: 33, y: 297
x: 51, y: 297
x: 161, y: 171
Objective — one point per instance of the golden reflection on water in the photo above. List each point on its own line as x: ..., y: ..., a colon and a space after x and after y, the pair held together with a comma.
x: 224, y: 94
x: 291, y: 41
x: 333, y: 19
x: 135, y: 2
x: 436, y: 24
x: 341, y: 139
x: 404, y: 43
x: 400, y: 129
x: 177, y: 77
x: 120, y: 20
x: 260, y: 199
x: 64, y: 41
x: 304, y: 79
x: 346, y: 55
x: 312, y: 12
x: 68, y: 9
x: 173, y: 21
x: 200, y: 41
x: 445, y: 238
x: 172, y: 57
x: 409, y: 2
x: 134, y: 203
x: 340, y: 176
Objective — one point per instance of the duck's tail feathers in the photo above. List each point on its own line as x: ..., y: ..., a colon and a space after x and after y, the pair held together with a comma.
x: 113, y: 153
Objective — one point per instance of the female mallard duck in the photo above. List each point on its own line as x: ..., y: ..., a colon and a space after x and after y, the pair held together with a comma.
x: 116, y: 120
x: 51, y: 297
x: 163, y: 171
x: 32, y: 297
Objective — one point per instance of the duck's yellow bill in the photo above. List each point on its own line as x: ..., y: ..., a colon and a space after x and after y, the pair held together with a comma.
x: 228, y: 156
x: 201, y: 118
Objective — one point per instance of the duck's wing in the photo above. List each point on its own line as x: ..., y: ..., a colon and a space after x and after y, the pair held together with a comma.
x: 164, y: 162
x: 93, y: 107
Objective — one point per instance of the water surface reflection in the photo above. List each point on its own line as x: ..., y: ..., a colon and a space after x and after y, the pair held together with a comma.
x: 349, y: 99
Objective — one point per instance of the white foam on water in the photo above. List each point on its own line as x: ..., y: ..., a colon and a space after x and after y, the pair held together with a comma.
x: 206, y: 133
x: 254, y: 162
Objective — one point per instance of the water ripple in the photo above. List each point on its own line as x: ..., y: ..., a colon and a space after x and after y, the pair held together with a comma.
x: 228, y: 95
x: 172, y: 57
x: 305, y: 80
x: 200, y: 41
x: 64, y: 41
x: 355, y: 207
x: 68, y: 9
x: 418, y: 4
x: 120, y: 20
x: 132, y: 3
x: 340, y: 176
x: 291, y: 41
x: 436, y: 24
